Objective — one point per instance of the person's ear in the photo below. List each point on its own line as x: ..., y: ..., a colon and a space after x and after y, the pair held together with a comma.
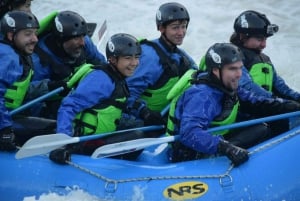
x: 10, y: 36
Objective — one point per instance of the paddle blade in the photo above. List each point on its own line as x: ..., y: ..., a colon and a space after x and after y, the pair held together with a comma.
x: 129, y: 146
x: 44, y: 144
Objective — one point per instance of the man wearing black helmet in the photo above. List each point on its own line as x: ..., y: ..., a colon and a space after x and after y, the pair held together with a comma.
x: 162, y: 64
x: 60, y: 53
x: 19, y: 31
x: 251, y: 31
x: 96, y: 104
x: 215, y: 98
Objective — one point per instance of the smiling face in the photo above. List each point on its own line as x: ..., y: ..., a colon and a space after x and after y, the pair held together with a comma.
x: 126, y: 65
x: 25, y: 40
x: 258, y: 43
x: 175, y: 31
x: 74, y: 46
x: 230, y: 75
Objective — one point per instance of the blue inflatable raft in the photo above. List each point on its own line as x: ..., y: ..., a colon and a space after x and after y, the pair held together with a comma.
x: 272, y: 173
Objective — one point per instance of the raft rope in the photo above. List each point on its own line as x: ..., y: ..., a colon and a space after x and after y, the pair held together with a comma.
x: 111, y: 184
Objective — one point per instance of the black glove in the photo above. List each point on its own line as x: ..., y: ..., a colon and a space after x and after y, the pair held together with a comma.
x: 60, y: 155
x: 56, y: 84
x: 151, y: 117
x: 7, y: 139
x: 236, y: 154
x: 291, y: 106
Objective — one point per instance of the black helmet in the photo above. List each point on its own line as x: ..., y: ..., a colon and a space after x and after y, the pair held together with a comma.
x: 221, y: 54
x: 254, y: 23
x: 169, y: 12
x: 122, y: 44
x: 15, y: 21
x: 68, y: 24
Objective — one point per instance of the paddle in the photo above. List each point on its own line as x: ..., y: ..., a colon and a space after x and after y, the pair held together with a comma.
x: 41, y: 98
x: 134, y: 145
x: 45, y: 143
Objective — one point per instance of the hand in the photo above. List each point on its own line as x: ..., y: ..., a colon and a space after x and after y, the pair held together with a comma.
x: 56, y: 84
x: 7, y: 139
x: 290, y: 106
x: 236, y: 154
x: 151, y: 117
x: 60, y: 156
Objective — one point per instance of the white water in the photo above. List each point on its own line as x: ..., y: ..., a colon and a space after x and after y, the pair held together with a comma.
x: 211, y: 21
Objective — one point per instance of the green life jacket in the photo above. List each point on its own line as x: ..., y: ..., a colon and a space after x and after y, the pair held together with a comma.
x: 260, y: 68
x: 177, y: 90
x: 80, y: 72
x: 227, y: 116
x: 155, y: 96
x: 262, y: 74
x: 15, y: 94
x: 46, y: 23
x: 105, y: 116
x: 202, y: 64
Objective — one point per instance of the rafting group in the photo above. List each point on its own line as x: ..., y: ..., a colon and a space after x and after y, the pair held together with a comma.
x: 54, y: 80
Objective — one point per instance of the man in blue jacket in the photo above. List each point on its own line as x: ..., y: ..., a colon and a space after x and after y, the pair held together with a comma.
x: 61, y: 52
x: 19, y: 30
x: 215, y: 98
x: 251, y: 31
x: 162, y: 63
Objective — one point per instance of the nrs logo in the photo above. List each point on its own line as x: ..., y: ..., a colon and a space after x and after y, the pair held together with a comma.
x: 185, y: 190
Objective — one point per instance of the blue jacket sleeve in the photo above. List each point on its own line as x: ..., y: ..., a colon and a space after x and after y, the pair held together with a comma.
x: 92, y: 53
x: 283, y: 89
x: 88, y: 93
x: 247, y: 83
x: 10, y: 71
x: 195, y: 110
x: 146, y: 74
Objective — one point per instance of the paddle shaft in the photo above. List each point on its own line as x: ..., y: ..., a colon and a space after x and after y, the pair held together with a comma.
x: 134, y: 145
x: 39, y: 99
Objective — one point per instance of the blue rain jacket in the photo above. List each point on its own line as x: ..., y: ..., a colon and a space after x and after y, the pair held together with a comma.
x: 10, y: 71
x: 149, y: 71
x: 95, y: 87
x: 197, y: 108
x: 44, y: 72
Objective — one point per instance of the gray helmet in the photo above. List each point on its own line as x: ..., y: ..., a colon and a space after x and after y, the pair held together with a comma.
x: 254, y: 23
x: 169, y: 12
x: 221, y: 54
x: 15, y: 21
x: 68, y: 24
x: 122, y: 44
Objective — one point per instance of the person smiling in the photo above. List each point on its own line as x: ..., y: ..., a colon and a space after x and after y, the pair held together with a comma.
x: 96, y: 104
x: 251, y: 32
x: 162, y: 63
x: 215, y: 98
x: 19, y: 30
